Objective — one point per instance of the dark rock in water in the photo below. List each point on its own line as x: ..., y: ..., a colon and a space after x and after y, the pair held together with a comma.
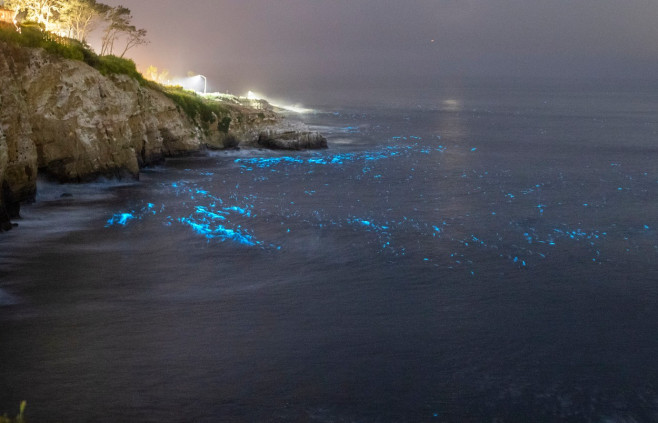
x: 5, y: 222
x: 223, y: 141
x: 66, y: 195
x: 291, y: 140
x: 10, y: 205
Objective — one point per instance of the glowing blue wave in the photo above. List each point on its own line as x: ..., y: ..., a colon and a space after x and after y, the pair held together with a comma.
x: 329, y: 159
x: 212, y: 221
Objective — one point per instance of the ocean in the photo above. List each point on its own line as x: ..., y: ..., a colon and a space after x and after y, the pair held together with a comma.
x: 473, y: 252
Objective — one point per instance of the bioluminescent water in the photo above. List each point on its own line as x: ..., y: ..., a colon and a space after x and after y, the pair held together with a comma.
x: 471, y: 255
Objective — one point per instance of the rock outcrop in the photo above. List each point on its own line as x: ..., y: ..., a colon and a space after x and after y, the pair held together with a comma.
x: 291, y: 140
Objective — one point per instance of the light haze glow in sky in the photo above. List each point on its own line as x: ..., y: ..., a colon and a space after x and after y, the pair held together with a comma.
x: 277, y: 44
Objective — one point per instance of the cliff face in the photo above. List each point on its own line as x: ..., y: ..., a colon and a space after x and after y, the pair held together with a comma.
x: 64, y: 119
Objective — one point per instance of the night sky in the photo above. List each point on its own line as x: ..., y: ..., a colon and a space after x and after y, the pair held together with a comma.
x: 276, y: 45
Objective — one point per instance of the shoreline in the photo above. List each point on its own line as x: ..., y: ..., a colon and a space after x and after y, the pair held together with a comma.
x: 63, y: 119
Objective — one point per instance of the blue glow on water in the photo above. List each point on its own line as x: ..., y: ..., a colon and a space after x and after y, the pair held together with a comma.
x: 212, y: 215
x: 264, y: 162
x: 239, y: 210
x: 205, y: 217
x: 120, y: 219
x: 218, y: 232
x: 198, y: 227
x: 322, y: 159
x: 454, y: 243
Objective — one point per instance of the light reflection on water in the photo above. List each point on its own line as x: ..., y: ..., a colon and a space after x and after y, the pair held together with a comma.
x: 445, y: 264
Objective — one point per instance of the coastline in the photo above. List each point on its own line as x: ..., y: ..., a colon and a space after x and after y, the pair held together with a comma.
x: 64, y: 120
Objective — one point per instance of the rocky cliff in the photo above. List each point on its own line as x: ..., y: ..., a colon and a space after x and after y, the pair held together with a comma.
x: 63, y: 119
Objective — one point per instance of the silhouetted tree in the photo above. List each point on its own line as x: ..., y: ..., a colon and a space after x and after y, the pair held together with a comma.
x: 118, y: 21
x: 134, y: 37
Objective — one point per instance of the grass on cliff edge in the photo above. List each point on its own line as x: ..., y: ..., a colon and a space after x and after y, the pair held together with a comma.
x: 200, y: 110
x: 205, y: 112
x: 20, y: 418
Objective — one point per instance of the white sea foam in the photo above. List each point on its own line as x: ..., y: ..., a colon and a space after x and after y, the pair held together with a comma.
x: 50, y: 191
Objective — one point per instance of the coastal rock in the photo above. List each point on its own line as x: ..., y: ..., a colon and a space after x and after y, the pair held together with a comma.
x: 18, y: 163
x: 291, y: 140
x: 255, y: 123
x: 223, y: 141
x: 5, y: 223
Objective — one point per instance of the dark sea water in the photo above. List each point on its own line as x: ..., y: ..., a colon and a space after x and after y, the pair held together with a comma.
x: 473, y: 253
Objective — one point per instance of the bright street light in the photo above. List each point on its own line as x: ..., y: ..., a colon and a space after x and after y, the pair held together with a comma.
x: 205, y: 83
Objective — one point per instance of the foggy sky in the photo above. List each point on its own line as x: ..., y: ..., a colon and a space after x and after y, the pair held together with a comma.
x: 277, y: 44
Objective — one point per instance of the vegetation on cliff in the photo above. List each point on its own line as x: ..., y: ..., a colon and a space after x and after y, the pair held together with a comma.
x: 203, y: 112
x: 20, y: 418
x: 68, y: 48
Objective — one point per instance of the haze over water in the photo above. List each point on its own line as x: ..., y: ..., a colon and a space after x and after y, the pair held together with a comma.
x: 485, y: 251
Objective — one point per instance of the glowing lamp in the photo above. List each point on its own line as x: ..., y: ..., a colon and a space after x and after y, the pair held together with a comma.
x: 205, y: 83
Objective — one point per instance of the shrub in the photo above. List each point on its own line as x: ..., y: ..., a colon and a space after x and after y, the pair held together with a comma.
x: 31, y: 35
x: 200, y: 110
x: 20, y: 418
x: 91, y: 58
x: 8, y: 33
x: 109, y: 65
